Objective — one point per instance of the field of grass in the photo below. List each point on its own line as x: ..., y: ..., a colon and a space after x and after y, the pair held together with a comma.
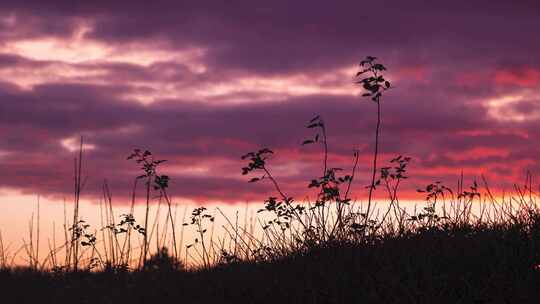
x: 450, y: 262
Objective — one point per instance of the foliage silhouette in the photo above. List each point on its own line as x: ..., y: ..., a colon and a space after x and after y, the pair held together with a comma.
x: 162, y: 261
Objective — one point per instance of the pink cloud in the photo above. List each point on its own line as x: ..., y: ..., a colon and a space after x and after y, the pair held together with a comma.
x: 525, y: 77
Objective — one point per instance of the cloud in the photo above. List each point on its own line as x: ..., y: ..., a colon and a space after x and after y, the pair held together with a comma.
x: 200, y: 84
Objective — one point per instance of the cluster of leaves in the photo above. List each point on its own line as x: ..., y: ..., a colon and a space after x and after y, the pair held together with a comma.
x: 199, y: 214
x: 149, y: 167
x: 93, y: 263
x: 81, y: 233
x: 198, y: 217
x: 316, y: 122
x: 374, y: 84
x: 127, y: 221
x: 257, y: 161
x: 359, y: 223
x: 428, y: 217
x: 434, y: 191
x: 227, y: 257
x: 392, y: 176
x: 284, y: 212
x: 329, y: 185
x: 398, y: 171
x: 471, y: 193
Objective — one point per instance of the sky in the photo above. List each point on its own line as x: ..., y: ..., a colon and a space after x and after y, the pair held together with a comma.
x: 201, y: 83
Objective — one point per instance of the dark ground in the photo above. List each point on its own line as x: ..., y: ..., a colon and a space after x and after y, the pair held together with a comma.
x: 453, y: 265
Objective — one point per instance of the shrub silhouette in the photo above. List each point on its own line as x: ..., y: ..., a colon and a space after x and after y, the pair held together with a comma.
x: 162, y: 261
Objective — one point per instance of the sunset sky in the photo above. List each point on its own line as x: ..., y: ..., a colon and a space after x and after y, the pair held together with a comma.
x: 202, y: 83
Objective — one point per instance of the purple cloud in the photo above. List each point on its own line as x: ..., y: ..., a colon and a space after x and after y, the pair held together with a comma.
x: 203, y: 83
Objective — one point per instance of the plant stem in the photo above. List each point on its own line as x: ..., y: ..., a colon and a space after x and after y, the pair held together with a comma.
x: 147, y: 211
x: 375, y: 155
x: 172, y: 222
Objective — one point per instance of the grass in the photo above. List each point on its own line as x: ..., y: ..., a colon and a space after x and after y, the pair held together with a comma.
x: 454, y: 262
x: 464, y: 246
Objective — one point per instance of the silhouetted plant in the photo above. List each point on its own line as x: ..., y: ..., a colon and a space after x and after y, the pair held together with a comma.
x: 283, y: 207
x: 318, y: 122
x: 429, y: 217
x: 162, y: 261
x: 227, y: 258
x: 149, y: 166
x: 391, y: 178
x: 316, y: 222
x: 127, y: 221
x: 198, y: 218
x: 328, y: 184
x: 257, y: 161
x: 73, y: 249
x: 374, y: 84
x: 82, y: 234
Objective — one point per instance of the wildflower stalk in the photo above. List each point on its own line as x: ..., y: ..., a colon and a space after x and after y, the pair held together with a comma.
x: 374, y: 85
